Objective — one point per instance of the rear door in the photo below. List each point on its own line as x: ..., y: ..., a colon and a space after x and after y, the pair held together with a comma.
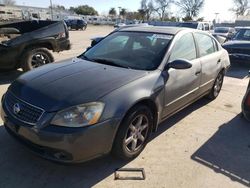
x: 182, y: 85
x: 210, y: 59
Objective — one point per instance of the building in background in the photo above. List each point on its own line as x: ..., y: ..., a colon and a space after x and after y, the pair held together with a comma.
x: 15, y: 13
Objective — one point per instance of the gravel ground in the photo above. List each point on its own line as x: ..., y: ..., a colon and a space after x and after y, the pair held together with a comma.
x: 205, y: 145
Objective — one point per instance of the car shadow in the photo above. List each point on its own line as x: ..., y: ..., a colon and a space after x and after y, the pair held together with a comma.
x: 20, y: 168
x: 238, y: 71
x: 9, y: 77
x: 228, y: 151
x: 171, y: 121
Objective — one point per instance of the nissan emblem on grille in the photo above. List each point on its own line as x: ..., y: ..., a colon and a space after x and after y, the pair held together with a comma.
x: 16, y: 108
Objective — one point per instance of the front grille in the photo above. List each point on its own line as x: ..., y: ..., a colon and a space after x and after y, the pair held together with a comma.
x: 28, y: 113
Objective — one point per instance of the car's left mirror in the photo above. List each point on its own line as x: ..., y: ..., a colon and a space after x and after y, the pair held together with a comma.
x: 96, y: 40
x: 179, y: 64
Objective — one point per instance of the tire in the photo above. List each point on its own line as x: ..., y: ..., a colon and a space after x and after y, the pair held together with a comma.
x: 84, y: 28
x: 217, y: 86
x: 36, y: 57
x: 133, y: 133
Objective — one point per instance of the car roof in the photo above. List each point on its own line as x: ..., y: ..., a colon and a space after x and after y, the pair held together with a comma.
x: 156, y: 29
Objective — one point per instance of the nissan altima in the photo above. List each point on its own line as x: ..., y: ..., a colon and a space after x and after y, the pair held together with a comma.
x: 115, y: 94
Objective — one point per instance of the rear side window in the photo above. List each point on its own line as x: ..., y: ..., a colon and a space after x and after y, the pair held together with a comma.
x: 184, y: 48
x: 205, y: 44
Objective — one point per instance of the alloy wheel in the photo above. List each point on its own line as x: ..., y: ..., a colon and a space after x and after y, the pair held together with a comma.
x: 218, y: 85
x: 137, y: 133
x: 39, y: 59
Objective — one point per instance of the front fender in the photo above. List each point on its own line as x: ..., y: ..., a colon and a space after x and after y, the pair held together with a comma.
x: 119, y: 101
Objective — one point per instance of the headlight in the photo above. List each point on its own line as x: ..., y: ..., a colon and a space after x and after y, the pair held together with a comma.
x: 80, y: 115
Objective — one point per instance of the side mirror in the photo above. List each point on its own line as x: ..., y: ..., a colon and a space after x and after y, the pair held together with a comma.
x: 88, y: 48
x: 179, y: 64
x: 96, y: 40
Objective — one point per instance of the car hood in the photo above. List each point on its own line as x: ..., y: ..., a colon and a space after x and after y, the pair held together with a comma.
x: 236, y: 43
x: 221, y: 34
x: 60, y: 85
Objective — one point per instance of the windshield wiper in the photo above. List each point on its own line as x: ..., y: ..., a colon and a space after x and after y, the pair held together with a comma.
x: 108, y: 62
x: 85, y: 58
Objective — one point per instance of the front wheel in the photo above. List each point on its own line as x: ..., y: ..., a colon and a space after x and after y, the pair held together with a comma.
x: 36, y: 57
x: 84, y: 28
x: 217, y: 86
x: 133, y: 133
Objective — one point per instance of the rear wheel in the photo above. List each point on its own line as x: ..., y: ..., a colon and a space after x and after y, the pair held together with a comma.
x: 36, y: 57
x: 133, y: 134
x: 217, y: 86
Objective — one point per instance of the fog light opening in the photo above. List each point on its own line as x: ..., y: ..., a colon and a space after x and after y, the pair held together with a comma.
x: 60, y: 156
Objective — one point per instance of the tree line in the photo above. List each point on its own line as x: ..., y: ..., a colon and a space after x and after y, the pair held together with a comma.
x: 189, y: 9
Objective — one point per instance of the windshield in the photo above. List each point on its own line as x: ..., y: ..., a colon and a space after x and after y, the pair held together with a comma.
x: 189, y: 25
x: 135, y: 50
x: 242, y: 34
x: 221, y: 30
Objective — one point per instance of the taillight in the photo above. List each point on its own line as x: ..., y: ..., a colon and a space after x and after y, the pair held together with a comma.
x: 247, y: 100
x: 61, y: 35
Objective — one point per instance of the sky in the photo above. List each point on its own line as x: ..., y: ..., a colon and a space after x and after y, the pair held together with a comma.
x: 102, y: 6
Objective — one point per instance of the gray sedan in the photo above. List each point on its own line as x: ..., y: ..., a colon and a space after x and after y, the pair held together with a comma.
x: 114, y: 95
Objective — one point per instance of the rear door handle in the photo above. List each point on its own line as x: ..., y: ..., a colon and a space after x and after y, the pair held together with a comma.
x: 197, y: 73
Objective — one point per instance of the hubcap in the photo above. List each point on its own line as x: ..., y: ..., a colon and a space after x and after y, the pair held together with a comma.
x: 218, y: 85
x: 39, y: 59
x: 137, y: 133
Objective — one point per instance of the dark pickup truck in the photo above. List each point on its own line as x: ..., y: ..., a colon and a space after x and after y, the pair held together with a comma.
x: 27, y: 44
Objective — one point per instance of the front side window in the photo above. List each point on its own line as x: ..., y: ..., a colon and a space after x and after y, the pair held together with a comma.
x: 184, y: 48
x: 135, y: 50
x: 205, y: 44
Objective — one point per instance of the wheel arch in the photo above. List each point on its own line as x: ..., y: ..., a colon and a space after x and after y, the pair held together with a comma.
x: 150, y: 103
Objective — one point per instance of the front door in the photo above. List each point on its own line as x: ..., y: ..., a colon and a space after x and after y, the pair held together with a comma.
x: 182, y: 85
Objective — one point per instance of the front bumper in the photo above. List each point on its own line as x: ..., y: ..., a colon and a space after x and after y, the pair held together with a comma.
x: 66, y: 145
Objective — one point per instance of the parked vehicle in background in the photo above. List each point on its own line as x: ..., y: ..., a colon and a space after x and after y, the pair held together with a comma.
x: 219, y: 38
x: 27, y: 44
x: 203, y: 26
x: 76, y: 24
x: 118, y: 25
x: 245, y: 106
x: 227, y: 32
x: 238, y: 28
x: 114, y: 95
x: 239, y: 47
